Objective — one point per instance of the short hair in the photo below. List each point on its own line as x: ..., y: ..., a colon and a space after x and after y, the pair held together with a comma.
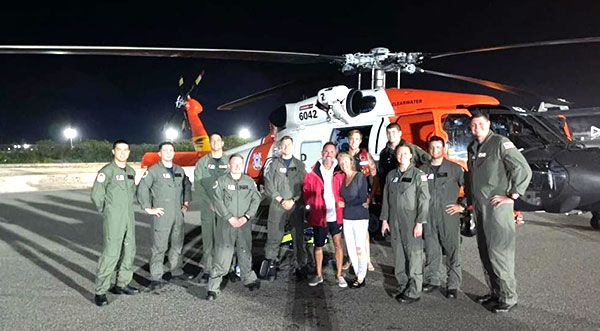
x: 215, y: 134
x: 160, y: 146
x: 393, y: 126
x: 236, y: 155
x: 286, y: 137
x: 346, y: 154
x: 120, y: 141
x: 412, y: 152
x: 352, y: 132
x: 436, y: 138
x: 479, y: 113
x: 329, y: 143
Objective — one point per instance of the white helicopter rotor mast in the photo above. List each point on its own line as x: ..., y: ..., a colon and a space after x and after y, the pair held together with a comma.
x: 380, y: 61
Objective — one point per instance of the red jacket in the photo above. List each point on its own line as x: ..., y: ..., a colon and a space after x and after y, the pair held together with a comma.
x: 312, y: 194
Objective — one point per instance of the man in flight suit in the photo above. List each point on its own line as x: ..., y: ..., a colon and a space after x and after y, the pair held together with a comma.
x: 283, y: 185
x: 405, y: 206
x: 207, y: 170
x: 113, y: 194
x: 442, y: 231
x: 165, y: 192
x: 498, y: 174
x: 236, y: 202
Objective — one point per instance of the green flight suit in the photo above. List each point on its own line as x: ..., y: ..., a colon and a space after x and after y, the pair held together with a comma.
x: 233, y: 198
x: 158, y: 188
x: 113, y: 194
x: 206, y: 172
x: 406, y: 203
x: 496, y: 167
x: 286, y: 182
x: 442, y: 231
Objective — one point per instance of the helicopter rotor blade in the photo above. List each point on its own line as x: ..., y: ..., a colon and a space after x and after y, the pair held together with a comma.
x: 196, y: 82
x: 522, y: 45
x: 207, y: 53
x: 273, y: 91
x: 496, y: 86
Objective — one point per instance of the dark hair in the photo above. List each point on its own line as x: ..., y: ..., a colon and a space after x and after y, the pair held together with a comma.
x: 236, y: 155
x: 215, y: 133
x: 120, y: 141
x: 160, y: 146
x: 393, y: 126
x: 328, y: 143
x: 479, y: 113
x: 436, y: 138
x: 286, y: 137
x: 405, y: 145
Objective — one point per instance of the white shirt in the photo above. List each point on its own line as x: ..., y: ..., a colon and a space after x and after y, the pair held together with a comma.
x: 328, y: 196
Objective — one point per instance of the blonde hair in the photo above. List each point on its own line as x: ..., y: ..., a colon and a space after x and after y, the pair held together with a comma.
x: 345, y: 154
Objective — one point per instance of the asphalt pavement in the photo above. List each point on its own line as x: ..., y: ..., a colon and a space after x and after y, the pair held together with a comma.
x: 50, y: 243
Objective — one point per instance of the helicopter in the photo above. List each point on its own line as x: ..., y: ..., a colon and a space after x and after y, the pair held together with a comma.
x: 565, y: 172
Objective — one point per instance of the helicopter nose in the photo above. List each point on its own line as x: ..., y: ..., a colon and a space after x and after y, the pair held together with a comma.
x: 571, y: 180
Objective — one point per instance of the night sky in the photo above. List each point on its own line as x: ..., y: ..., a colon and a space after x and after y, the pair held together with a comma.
x: 109, y: 97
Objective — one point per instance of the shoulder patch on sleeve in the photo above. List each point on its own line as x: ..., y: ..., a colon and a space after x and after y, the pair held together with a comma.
x: 508, y: 145
x: 101, y: 177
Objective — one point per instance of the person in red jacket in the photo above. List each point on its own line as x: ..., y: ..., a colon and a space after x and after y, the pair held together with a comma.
x: 321, y: 193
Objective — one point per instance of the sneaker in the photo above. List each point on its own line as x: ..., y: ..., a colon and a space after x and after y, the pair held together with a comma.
x: 316, y: 280
x: 342, y: 282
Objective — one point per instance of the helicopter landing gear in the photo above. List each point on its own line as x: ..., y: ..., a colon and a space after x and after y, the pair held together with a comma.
x: 595, y: 221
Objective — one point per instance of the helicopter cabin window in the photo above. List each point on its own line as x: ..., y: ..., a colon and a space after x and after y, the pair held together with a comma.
x: 310, y: 152
x: 417, y: 128
x: 339, y: 137
x: 525, y: 131
x: 457, y: 126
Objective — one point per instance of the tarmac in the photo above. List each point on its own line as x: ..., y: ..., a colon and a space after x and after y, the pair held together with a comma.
x: 50, y: 242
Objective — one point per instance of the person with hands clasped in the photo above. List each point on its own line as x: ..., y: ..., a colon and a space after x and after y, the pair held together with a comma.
x: 236, y: 201
x: 354, y: 192
x: 404, y: 209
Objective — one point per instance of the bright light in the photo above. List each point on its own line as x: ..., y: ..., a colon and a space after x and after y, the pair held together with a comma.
x: 171, y: 134
x: 70, y: 133
x: 244, y: 133
x: 26, y: 146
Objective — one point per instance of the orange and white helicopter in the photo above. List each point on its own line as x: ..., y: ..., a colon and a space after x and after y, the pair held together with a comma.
x: 565, y: 173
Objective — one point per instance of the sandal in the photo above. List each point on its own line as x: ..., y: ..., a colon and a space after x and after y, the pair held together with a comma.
x: 357, y: 284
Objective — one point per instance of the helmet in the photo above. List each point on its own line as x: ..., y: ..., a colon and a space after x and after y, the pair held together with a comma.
x: 467, y: 225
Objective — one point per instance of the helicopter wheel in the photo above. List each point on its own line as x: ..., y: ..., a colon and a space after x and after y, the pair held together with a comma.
x: 595, y: 221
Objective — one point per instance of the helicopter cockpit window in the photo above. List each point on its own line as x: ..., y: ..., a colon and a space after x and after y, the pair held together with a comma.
x: 339, y: 136
x: 457, y: 126
x: 524, y: 131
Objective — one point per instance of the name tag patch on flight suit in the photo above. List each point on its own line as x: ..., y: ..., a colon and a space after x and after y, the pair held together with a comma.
x: 423, y: 178
x: 177, y: 175
x: 167, y: 176
x: 120, y: 177
x: 101, y: 178
x: 223, y: 166
x: 210, y: 166
x: 130, y: 177
x: 508, y: 145
x: 243, y: 187
x: 231, y: 187
x: 408, y: 180
x: 481, y: 155
x: 442, y: 174
x: 283, y: 170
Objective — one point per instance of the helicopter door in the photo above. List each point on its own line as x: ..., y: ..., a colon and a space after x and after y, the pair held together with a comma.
x: 310, y: 152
